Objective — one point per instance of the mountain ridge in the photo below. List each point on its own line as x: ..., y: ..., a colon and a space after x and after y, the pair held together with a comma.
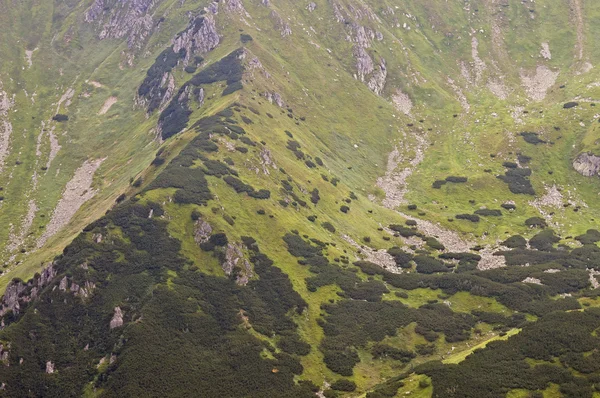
x: 300, y: 162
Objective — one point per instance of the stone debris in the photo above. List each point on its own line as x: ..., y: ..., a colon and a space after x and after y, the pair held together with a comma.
x: 17, y: 240
x: 379, y: 257
x: 29, y: 57
x: 462, y: 99
x: 393, y: 183
x: 6, y: 129
x: 577, y: 18
x: 538, y: 83
x: 402, y: 102
x: 65, y: 99
x: 545, y: 51
x: 478, y: 65
x: 553, y: 199
x: 76, y: 193
x: 497, y: 88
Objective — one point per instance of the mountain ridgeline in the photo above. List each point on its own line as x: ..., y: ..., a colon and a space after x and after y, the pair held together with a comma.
x: 261, y: 198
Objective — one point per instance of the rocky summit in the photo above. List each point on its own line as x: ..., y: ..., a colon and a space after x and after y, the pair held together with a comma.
x: 276, y: 198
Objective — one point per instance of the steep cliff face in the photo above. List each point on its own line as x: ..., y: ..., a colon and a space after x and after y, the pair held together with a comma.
x: 158, y: 88
x: 131, y: 19
x: 198, y: 38
x: 18, y: 293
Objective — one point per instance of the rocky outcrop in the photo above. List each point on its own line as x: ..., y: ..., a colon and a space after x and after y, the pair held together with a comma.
x: 199, y: 37
x: 366, y: 70
x: 19, y: 293
x: 4, y: 354
x: 275, y: 98
x: 364, y: 63
x: 117, y: 319
x: 159, y: 87
x: 123, y: 18
x: 266, y: 161
x: 587, y: 164
x: 236, y: 6
x: 377, y: 81
x: 280, y: 24
x: 202, y: 231
x: 236, y: 263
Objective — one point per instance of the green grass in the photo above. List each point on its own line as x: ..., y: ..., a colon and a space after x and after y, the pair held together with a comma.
x: 462, y: 355
x: 347, y: 126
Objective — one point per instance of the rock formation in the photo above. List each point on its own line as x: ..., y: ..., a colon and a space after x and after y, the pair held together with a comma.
x: 587, y: 164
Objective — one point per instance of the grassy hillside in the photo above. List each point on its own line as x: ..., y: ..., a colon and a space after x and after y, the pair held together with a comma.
x: 258, y: 198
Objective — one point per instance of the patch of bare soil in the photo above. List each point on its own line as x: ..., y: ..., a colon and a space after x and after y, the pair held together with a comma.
x: 110, y: 101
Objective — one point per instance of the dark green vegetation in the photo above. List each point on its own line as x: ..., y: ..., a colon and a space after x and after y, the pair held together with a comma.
x: 176, y: 115
x: 283, y: 196
x: 193, y: 318
x: 553, y: 343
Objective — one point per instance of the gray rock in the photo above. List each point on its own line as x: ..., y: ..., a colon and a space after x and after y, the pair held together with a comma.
x: 235, y: 6
x: 234, y: 257
x: 18, y: 293
x: 281, y: 24
x: 378, y: 79
x: 3, y: 353
x: 50, y: 367
x: 275, y: 98
x: 311, y: 7
x: 199, y: 37
x: 117, y: 319
x: 202, y: 231
x: 213, y: 8
x: 364, y: 63
x: 266, y: 161
x: 587, y: 164
x: 63, y: 284
x: 123, y: 18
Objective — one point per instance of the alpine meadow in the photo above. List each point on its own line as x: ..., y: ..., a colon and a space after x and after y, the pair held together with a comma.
x: 295, y: 199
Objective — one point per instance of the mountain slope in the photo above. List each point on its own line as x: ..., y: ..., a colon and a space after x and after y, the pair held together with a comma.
x: 300, y: 198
